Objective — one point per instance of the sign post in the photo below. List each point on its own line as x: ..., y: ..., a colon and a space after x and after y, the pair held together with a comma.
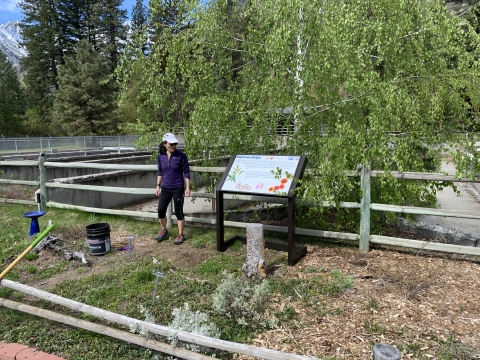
x: 266, y: 175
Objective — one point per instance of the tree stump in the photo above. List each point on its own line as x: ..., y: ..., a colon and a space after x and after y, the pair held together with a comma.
x: 386, y: 352
x: 255, y: 263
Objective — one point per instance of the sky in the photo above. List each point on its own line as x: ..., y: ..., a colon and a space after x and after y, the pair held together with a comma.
x: 9, y: 10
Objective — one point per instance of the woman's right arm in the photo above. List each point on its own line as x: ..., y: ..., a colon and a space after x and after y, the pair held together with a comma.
x: 158, y: 186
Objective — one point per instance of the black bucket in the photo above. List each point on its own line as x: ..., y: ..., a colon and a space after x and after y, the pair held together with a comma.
x: 98, y: 238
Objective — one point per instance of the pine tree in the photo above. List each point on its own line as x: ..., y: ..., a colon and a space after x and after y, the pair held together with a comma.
x: 100, y: 22
x: 51, y: 31
x: 139, y: 16
x: 45, y: 44
x: 12, y: 100
x: 86, y: 99
x: 170, y: 17
x: 109, y: 30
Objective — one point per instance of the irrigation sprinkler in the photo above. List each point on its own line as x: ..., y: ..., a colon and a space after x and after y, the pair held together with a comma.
x: 159, y: 275
x: 130, y: 247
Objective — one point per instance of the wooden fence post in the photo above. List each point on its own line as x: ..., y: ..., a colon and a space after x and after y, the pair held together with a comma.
x: 43, y: 181
x: 365, y: 208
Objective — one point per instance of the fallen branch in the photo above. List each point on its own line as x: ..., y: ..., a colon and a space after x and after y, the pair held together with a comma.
x: 50, y: 241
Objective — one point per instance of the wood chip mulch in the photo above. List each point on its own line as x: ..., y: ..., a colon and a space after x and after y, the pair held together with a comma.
x: 421, y: 303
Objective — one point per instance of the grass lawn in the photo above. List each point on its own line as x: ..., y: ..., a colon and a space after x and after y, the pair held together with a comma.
x: 336, y: 303
x: 121, y: 282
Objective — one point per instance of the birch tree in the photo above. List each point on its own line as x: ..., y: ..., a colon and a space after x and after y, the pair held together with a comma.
x: 370, y: 82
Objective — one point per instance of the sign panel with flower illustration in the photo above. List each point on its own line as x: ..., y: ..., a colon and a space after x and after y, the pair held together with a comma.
x: 262, y: 174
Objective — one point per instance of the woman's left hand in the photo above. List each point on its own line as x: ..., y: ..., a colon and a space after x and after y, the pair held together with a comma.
x: 187, y: 192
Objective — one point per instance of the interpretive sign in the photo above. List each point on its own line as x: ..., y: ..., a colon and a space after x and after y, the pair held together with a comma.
x: 262, y: 174
x: 260, y: 177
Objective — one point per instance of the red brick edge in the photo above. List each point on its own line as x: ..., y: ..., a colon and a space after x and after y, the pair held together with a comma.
x: 12, y: 351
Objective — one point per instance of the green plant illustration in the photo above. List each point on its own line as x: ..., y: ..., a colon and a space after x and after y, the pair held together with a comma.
x: 233, y: 175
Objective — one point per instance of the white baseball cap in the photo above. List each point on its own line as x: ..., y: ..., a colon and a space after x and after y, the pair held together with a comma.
x: 170, y: 138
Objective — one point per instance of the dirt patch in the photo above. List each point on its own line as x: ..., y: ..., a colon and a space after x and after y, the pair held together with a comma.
x: 143, y: 247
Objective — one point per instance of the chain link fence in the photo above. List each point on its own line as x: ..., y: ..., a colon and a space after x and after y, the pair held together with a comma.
x: 54, y: 144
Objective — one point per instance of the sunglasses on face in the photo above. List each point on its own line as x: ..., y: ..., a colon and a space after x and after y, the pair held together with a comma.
x: 174, y: 144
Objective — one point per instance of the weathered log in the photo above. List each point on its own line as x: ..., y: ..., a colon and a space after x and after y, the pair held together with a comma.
x: 50, y: 243
x: 41, y: 245
x: 255, y: 263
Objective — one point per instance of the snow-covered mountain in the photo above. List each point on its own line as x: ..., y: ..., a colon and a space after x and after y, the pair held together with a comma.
x: 10, y: 42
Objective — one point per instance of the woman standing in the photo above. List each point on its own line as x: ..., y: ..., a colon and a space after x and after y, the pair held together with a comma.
x: 173, y: 182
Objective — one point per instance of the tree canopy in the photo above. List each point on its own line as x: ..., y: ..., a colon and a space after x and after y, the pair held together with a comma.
x: 51, y: 30
x: 85, y: 101
x: 368, y: 82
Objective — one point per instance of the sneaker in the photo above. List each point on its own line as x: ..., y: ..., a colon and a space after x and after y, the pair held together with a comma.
x: 163, y: 235
x: 179, y: 240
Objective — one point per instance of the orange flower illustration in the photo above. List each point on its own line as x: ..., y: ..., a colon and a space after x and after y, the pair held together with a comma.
x: 284, y: 181
x: 270, y: 188
x: 281, y: 186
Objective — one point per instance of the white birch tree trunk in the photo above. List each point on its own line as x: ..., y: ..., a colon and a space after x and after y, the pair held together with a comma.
x: 299, y: 83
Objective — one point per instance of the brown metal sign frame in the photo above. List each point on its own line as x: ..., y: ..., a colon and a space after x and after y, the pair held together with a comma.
x: 295, y: 253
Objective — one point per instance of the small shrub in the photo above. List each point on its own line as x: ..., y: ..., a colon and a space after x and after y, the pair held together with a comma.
x: 193, y: 322
x: 184, y: 320
x: 372, y: 327
x: 411, y: 348
x: 453, y: 349
x: 241, y: 301
x: 134, y: 328
x: 344, y: 282
x: 93, y: 218
x: 290, y: 313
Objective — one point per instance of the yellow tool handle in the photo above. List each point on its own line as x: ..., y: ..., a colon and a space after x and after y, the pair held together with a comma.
x: 30, y: 247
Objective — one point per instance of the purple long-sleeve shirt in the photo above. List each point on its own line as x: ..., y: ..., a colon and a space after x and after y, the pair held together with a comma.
x: 173, y: 171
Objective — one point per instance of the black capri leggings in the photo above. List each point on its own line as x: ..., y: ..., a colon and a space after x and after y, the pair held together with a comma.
x: 166, y: 195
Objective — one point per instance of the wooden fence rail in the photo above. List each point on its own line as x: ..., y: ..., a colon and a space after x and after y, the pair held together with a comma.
x: 364, y: 237
x: 229, y: 346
